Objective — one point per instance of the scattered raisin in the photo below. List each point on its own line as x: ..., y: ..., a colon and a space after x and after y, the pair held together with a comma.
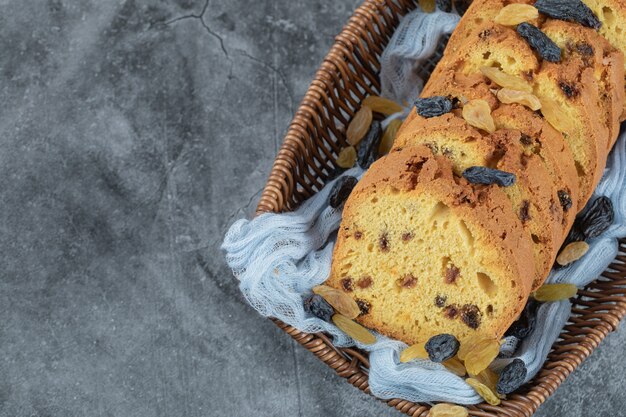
x: 470, y: 315
x: 526, y: 321
x: 408, y: 281
x: 341, y: 190
x: 364, y: 306
x: 514, y: 14
x: 382, y: 105
x: 584, y: 49
x: 359, y: 125
x: 353, y: 329
x: 452, y: 273
x: 451, y: 312
x: 487, y: 176
x: 444, y: 5
x: 489, y: 309
x: 442, y: 347
x: 511, y: 377
x: 484, y: 391
x: 433, y: 106
x: 346, y: 284
x: 525, y: 140
x: 416, y: 351
x: 368, y: 149
x: 407, y: 236
x: 540, y: 42
x: 554, y: 292
x: 569, y: 90
x: 565, y: 200
x: 484, y: 34
x: 596, y: 218
x: 346, y: 157
x: 570, y: 10
x: 358, y: 235
x: 440, y: 300
x: 340, y: 301
x: 477, y: 113
x: 364, y: 282
x: 448, y: 410
x: 524, y: 211
x: 317, y: 306
x: 383, y: 242
x: 572, y: 252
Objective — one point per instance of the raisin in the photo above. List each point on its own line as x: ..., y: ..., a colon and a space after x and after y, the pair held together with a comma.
x: 427, y: 5
x: 444, y: 5
x: 341, y: 190
x: 455, y: 366
x: 346, y: 157
x: 433, y: 106
x: 452, y: 311
x: 477, y: 113
x: 514, y: 14
x: 505, y: 80
x: 526, y: 321
x: 452, y: 273
x: 484, y: 34
x: 407, y: 236
x: 368, y: 150
x: 570, y: 10
x: 596, y: 218
x: 383, y: 242
x: 480, y: 356
x: 416, y: 351
x: 461, y: 6
x: 346, y: 284
x: 407, y: 281
x: 358, y: 235
x: 470, y: 315
x: 569, y: 90
x: 353, y: 329
x: 552, y: 113
x: 512, y: 377
x: 343, y: 303
x: 382, y: 105
x: 448, y: 410
x: 524, y: 211
x: 359, y: 125
x: 572, y: 252
x: 389, y: 136
x: 584, y: 49
x: 364, y: 306
x: 555, y: 292
x: 440, y: 301
x: 487, y: 176
x: 442, y: 347
x: 565, y: 200
x: 317, y: 306
x: 540, y: 42
x: 508, y: 96
x: 364, y: 282
x: 484, y: 391
x: 525, y: 140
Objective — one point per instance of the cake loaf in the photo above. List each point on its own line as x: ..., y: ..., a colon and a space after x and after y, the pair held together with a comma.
x: 430, y: 252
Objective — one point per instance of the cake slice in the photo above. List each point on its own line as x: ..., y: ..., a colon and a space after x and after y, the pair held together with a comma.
x: 429, y: 253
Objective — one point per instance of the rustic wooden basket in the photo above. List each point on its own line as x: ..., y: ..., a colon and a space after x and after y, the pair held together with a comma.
x: 305, y: 161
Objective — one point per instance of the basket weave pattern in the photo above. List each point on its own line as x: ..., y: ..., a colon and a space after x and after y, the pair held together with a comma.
x: 306, y: 160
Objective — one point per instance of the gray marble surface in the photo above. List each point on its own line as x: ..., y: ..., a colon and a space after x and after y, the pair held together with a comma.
x: 133, y: 133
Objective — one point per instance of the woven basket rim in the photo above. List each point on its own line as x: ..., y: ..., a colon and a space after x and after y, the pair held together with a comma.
x: 597, y: 310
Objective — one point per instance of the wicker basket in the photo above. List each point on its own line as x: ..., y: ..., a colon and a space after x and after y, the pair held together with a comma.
x: 305, y: 161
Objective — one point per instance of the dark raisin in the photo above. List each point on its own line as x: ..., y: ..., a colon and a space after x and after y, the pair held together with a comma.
x: 433, y: 106
x: 358, y: 235
x: 570, y: 10
x: 440, y: 300
x: 565, y: 200
x: 317, y: 306
x: 461, y: 6
x: 383, y: 242
x: 346, y: 284
x: 434, y: 148
x: 484, y: 34
x: 470, y: 315
x: 364, y: 306
x: 407, y: 236
x: 442, y: 347
x: 525, y: 140
x: 364, y: 282
x: 487, y: 176
x: 452, y: 273
x: 341, y: 190
x: 569, y: 90
x: 584, y: 49
x: 445, y: 5
x: 452, y: 311
x: 526, y: 321
x: 540, y: 42
x: 512, y: 377
x: 407, y: 281
x: 489, y: 309
x: 368, y: 148
x: 596, y: 218
x: 524, y: 211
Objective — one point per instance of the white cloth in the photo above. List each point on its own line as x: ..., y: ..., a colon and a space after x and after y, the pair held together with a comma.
x: 278, y: 258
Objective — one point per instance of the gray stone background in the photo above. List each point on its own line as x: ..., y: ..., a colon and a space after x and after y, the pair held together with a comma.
x: 133, y: 133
